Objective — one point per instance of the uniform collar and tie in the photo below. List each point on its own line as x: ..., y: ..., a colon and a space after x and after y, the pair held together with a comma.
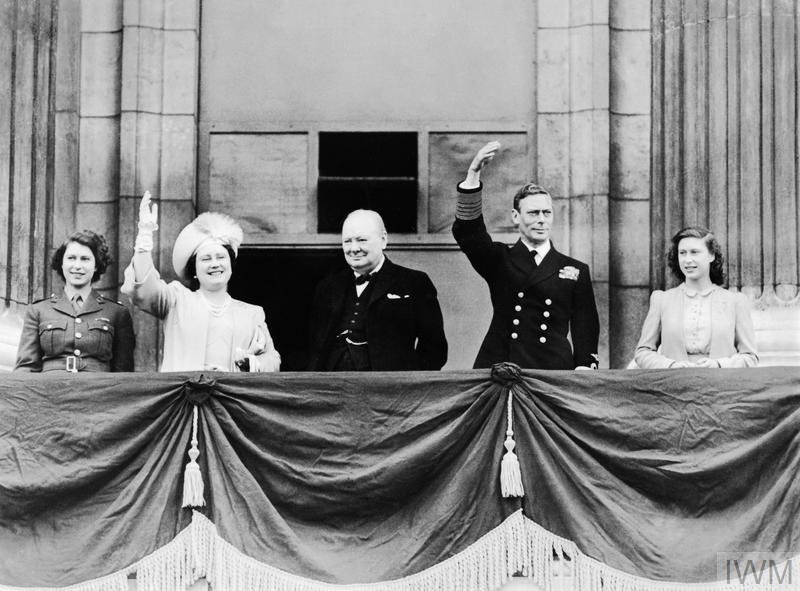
x: 77, y: 297
x: 538, y: 252
x: 92, y: 301
x: 546, y: 265
x: 77, y: 303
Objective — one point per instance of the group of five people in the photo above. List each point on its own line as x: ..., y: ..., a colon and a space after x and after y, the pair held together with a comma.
x: 377, y: 315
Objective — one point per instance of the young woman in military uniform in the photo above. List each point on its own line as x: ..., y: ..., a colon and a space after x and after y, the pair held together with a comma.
x: 77, y: 329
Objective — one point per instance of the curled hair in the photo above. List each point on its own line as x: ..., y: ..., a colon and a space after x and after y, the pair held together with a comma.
x: 716, y: 269
x: 94, y: 242
x: 191, y: 267
x: 529, y: 189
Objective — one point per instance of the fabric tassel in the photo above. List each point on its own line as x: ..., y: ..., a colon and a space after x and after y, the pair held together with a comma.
x: 192, y: 477
x: 510, y: 475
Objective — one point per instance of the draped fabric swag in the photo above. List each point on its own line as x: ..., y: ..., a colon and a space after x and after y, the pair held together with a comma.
x: 629, y: 479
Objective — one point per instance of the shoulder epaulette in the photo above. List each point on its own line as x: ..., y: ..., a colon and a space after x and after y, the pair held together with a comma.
x: 104, y: 298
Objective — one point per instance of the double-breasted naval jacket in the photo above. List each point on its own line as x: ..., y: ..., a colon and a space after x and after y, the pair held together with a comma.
x: 535, y: 308
x: 54, y: 337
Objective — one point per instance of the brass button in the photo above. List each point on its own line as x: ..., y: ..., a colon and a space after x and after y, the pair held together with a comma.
x: 543, y: 327
x: 546, y: 314
x: 78, y: 335
x: 515, y: 321
x: 49, y: 326
x: 542, y: 340
x: 514, y: 335
x: 548, y: 301
x: 77, y: 351
x: 520, y: 295
x: 518, y: 308
x: 105, y: 328
x: 78, y: 321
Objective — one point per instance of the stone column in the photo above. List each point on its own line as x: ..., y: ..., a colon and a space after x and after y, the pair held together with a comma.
x: 629, y: 171
x: 29, y: 74
x: 98, y: 157
x: 27, y: 35
x: 725, y: 151
x: 158, y: 140
x: 572, y: 134
x: 66, y: 188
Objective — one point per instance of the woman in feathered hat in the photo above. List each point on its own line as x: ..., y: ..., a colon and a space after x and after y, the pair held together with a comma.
x: 204, y: 328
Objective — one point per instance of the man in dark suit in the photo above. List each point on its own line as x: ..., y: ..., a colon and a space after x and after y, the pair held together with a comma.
x: 375, y: 315
x: 539, y: 295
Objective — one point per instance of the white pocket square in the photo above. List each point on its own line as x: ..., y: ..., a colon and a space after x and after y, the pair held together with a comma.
x: 394, y: 296
x: 569, y: 273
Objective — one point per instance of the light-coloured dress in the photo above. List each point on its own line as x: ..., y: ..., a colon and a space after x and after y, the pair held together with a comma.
x: 199, y: 336
x: 686, y: 326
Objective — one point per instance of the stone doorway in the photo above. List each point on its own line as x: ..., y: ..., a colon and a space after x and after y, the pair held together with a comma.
x: 282, y: 281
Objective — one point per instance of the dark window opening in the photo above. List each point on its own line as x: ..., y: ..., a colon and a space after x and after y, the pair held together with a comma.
x: 371, y: 171
x: 283, y: 283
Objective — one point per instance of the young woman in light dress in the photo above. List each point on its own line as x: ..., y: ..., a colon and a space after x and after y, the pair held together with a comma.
x: 698, y: 323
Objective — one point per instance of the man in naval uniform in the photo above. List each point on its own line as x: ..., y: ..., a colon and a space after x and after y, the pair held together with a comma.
x: 376, y: 315
x: 539, y: 296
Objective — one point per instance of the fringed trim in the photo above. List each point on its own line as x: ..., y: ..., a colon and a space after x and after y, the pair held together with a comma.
x: 173, y: 567
x: 170, y: 568
x: 518, y: 545
x: 192, y: 477
x: 510, y: 474
x: 557, y: 563
x: 483, y: 566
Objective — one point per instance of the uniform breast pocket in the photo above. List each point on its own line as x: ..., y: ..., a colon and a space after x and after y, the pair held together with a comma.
x: 52, y: 337
x: 100, y: 338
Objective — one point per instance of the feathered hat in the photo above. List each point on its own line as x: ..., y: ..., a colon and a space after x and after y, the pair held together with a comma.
x: 207, y: 227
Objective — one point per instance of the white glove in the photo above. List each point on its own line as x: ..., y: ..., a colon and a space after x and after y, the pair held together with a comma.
x: 148, y: 223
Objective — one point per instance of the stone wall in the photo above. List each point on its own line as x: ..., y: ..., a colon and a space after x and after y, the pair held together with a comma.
x: 640, y: 117
x: 572, y: 135
x: 629, y: 175
x: 158, y: 132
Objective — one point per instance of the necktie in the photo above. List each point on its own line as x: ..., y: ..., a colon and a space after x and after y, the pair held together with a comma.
x: 535, y: 258
x: 77, y: 303
x: 362, y: 279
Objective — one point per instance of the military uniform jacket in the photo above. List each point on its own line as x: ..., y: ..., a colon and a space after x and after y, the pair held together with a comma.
x: 405, y: 329
x: 535, y: 307
x: 100, y: 337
